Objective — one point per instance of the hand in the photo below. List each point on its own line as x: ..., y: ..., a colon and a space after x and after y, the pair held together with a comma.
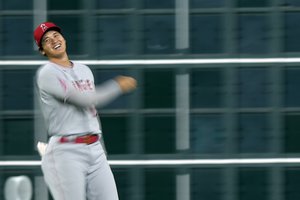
x: 126, y: 83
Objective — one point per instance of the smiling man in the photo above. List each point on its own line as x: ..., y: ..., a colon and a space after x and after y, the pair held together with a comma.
x: 74, y: 163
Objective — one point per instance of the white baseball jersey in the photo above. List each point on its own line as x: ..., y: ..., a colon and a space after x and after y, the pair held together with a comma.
x: 68, y: 98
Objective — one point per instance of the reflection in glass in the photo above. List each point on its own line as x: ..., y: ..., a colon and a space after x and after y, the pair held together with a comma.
x: 113, y: 40
x: 254, y: 34
x: 254, y: 88
x: 18, y: 137
x: 159, y: 34
x: 207, y: 134
x: 291, y: 87
x: 254, y: 133
x: 292, y: 3
x: 159, y: 88
x: 253, y: 3
x: 115, y: 132
x: 253, y: 183
x: 291, y: 133
x: 207, y: 88
x: 291, y: 180
x: 122, y: 178
x: 206, y: 3
x: 292, y: 32
x: 115, y: 4
x: 207, y: 184
x: 64, y: 5
x: 206, y: 34
x: 18, y: 89
x: 150, y: 4
x: 12, y: 42
x: 16, y: 5
x: 159, y: 134
x: 160, y: 184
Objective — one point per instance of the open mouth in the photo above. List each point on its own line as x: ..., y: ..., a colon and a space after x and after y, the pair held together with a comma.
x: 57, y: 46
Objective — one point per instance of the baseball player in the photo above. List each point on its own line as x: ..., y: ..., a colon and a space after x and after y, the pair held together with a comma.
x: 74, y: 165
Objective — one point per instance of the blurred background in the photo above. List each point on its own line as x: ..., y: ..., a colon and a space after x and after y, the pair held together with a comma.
x: 180, y: 111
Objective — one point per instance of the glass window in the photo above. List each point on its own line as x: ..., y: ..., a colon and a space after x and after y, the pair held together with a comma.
x: 291, y: 131
x: 254, y: 88
x: 18, y: 89
x: 254, y: 133
x: 207, y: 134
x: 292, y: 32
x: 16, y: 5
x: 65, y: 5
x: 160, y: 184
x: 207, y: 184
x: 18, y: 137
x: 158, y: 34
x: 291, y: 87
x: 159, y: 3
x: 14, y: 43
x: 254, y: 34
x: 253, y: 183
x: 253, y: 3
x: 292, y: 177
x: 123, y: 182
x: 206, y: 88
x: 206, y: 3
x: 159, y: 134
x: 206, y: 34
x: 72, y: 31
x: 102, y: 75
x: 292, y: 2
x: 115, y: 133
x: 159, y: 88
x: 115, y: 4
x: 116, y: 39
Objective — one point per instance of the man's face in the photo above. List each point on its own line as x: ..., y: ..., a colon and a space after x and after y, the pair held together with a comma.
x: 54, y: 44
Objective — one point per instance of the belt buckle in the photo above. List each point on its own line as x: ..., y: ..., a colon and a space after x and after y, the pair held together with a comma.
x: 87, y: 139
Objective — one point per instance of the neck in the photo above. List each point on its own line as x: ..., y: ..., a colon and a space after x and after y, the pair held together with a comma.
x: 64, y: 62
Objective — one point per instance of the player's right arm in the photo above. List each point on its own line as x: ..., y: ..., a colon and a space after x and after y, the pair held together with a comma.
x: 56, y: 85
